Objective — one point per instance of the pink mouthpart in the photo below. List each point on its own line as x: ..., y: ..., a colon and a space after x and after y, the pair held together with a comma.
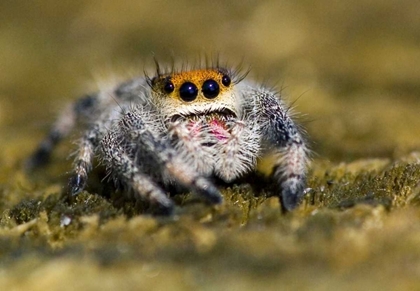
x: 217, y: 128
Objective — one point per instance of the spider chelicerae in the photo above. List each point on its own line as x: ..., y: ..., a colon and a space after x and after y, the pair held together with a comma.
x: 183, y: 128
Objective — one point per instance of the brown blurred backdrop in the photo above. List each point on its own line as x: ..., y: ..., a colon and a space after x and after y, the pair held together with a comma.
x: 351, y: 67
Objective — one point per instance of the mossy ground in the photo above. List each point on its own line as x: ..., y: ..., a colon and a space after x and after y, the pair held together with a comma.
x: 355, y: 66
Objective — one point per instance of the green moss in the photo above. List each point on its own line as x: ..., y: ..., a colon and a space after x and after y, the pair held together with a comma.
x: 394, y: 186
x: 350, y: 214
x: 26, y: 210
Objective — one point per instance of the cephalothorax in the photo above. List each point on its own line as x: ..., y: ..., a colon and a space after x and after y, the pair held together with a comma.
x: 183, y: 128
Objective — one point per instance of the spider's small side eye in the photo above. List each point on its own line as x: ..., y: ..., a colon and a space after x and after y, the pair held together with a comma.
x: 169, y: 87
x: 226, y: 80
x: 210, y: 89
x: 188, y: 91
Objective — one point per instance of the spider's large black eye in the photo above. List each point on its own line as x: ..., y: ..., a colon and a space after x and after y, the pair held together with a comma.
x: 210, y: 89
x: 226, y: 80
x: 168, y: 87
x: 188, y: 91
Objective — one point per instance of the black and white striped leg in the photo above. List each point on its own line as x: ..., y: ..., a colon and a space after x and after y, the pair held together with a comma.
x: 61, y: 129
x: 285, y: 140
x: 82, y: 164
x: 167, y: 159
x: 117, y: 160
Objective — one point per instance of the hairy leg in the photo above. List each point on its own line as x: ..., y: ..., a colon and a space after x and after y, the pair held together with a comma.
x: 123, y: 165
x: 284, y: 138
x: 134, y: 127
x: 61, y: 129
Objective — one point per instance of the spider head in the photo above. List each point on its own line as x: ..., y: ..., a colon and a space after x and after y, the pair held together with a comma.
x: 206, y: 94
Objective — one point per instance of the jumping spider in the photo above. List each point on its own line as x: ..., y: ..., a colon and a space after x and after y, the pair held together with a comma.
x: 183, y: 128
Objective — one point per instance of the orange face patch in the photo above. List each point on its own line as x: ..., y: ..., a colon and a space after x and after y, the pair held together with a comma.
x: 193, y: 85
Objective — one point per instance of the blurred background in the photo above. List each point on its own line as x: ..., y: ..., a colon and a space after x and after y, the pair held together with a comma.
x: 351, y: 68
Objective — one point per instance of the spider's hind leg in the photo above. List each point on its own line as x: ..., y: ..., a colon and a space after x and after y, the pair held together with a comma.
x: 83, y: 111
x: 65, y: 123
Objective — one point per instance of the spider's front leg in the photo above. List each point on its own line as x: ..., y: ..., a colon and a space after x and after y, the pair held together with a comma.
x: 124, y: 167
x: 135, y: 153
x: 283, y: 138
